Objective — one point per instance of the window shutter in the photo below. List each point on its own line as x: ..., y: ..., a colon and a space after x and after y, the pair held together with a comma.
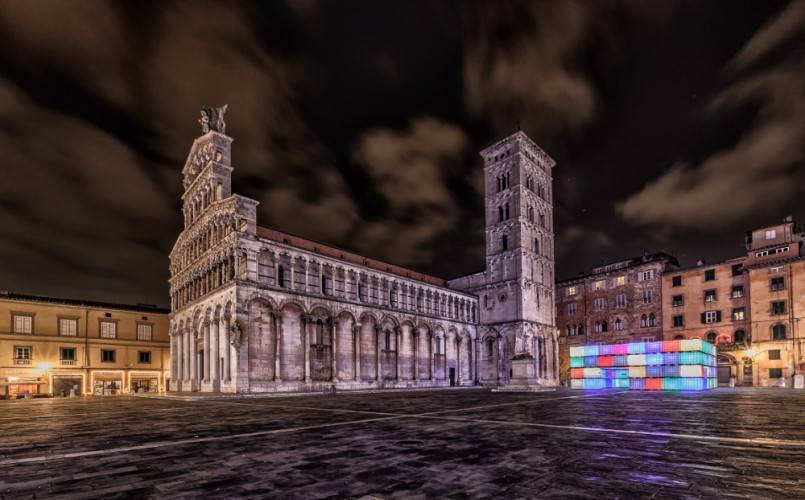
x: 704, y: 319
x: 718, y: 316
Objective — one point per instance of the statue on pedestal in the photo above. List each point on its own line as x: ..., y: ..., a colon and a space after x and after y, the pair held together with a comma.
x: 213, y: 119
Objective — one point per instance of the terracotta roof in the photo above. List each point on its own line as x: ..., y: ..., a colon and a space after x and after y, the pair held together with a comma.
x: 345, y: 255
x: 83, y: 303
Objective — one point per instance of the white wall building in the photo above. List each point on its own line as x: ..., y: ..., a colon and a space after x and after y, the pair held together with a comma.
x: 258, y: 310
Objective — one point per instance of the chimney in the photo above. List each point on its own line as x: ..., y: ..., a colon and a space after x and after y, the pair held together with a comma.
x: 700, y: 262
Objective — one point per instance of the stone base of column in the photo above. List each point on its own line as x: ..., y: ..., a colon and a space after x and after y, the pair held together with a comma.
x: 523, y: 378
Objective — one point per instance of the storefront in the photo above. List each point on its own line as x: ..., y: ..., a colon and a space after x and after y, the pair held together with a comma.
x: 144, y: 381
x: 68, y: 384
x: 18, y: 387
x: 106, y: 383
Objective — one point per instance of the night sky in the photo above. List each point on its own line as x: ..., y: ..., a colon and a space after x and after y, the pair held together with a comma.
x: 676, y: 126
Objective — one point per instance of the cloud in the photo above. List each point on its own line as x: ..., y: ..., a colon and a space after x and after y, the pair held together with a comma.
x: 582, y: 240
x: 411, y: 170
x: 519, y: 64
x: 759, y: 172
x: 98, y: 107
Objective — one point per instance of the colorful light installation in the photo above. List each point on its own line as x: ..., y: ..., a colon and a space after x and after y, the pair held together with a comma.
x: 670, y: 365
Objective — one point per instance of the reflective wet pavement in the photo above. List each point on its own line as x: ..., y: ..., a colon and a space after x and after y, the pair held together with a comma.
x: 727, y: 443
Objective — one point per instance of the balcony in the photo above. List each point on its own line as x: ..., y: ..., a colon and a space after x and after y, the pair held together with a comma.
x: 68, y: 361
x: 21, y: 361
x: 738, y: 346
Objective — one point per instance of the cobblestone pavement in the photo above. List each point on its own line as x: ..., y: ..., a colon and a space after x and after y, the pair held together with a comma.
x: 727, y: 443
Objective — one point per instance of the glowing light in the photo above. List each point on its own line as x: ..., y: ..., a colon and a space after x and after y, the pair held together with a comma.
x: 675, y: 365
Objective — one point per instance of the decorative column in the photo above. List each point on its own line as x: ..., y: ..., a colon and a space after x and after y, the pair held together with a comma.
x: 193, y: 357
x: 305, y: 345
x: 430, y: 353
x: 356, y: 349
x: 176, y: 357
x: 397, y: 344
x: 535, y: 347
x: 378, y: 346
x: 334, y: 340
x: 275, y: 323
x: 215, y: 346
x: 415, y: 342
x: 476, y: 365
x: 228, y: 353
x: 458, y: 360
x: 186, y: 355
x: 500, y: 357
x: 444, y: 363
x: 205, y: 354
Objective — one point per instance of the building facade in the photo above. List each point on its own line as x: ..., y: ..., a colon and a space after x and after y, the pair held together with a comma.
x: 259, y: 310
x: 616, y: 303
x: 710, y: 302
x: 775, y: 269
x: 516, y: 290
x: 51, y: 346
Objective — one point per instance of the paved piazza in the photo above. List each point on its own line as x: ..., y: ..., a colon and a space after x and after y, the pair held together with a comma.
x: 471, y: 443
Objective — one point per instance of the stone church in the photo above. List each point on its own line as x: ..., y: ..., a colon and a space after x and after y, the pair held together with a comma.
x: 258, y: 310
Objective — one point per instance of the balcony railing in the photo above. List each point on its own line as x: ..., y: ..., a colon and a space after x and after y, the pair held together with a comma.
x: 68, y: 361
x: 22, y: 361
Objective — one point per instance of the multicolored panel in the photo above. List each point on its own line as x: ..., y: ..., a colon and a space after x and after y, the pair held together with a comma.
x: 577, y: 362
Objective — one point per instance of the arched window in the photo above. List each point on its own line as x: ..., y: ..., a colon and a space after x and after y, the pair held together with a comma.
x: 388, y: 340
x: 679, y: 337
x: 319, y: 332
x: 531, y: 213
x: 536, y: 245
x: 739, y: 336
x: 581, y: 329
x: 542, y: 220
x: 618, y: 325
x: 490, y: 348
x: 500, y: 214
x: 504, y: 242
x: 603, y: 326
x: 393, y: 297
x: 597, y: 328
x: 280, y: 276
x: 438, y: 346
x: 506, y: 210
x: 711, y: 337
x: 567, y: 331
x: 324, y: 284
x: 778, y: 332
x: 500, y: 186
x: 652, y: 320
x: 643, y: 321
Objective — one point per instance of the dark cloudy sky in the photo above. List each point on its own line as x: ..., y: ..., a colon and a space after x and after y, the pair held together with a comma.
x: 676, y: 126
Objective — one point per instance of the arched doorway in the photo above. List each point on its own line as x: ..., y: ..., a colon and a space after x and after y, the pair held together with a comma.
x: 727, y: 368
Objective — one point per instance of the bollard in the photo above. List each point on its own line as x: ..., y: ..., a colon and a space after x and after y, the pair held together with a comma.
x: 732, y: 381
x: 72, y: 393
x: 332, y: 390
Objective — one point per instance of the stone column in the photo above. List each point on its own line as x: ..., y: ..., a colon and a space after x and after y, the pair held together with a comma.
x: 415, y: 349
x: 378, y: 350
x: 205, y: 355
x: 306, y: 345
x: 227, y: 353
x: 444, y: 363
x: 215, y: 346
x: 186, y: 355
x: 476, y: 361
x: 275, y: 322
x: 458, y: 360
x: 500, y: 357
x: 430, y: 354
x: 193, y: 357
x: 356, y: 344
x: 175, y: 352
x: 333, y: 348
x: 397, y: 344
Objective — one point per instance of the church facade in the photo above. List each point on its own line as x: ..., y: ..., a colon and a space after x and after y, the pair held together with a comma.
x: 258, y: 310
